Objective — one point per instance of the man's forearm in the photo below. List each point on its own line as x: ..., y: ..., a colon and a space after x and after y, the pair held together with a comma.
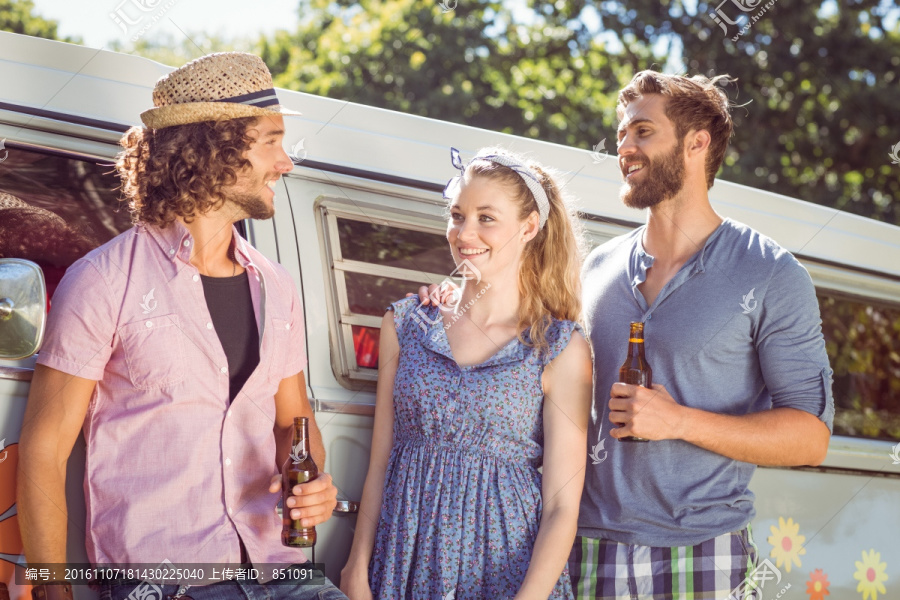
x: 777, y: 437
x: 41, y: 499
x: 316, y: 444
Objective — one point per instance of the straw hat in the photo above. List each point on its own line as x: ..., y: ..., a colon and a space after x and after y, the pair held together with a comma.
x: 216, y: 87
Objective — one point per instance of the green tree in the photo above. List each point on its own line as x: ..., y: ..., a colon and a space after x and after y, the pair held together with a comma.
x: 17, y: 16
x: 473, y: 65
x: 819, y: 81
x: 818, y: 77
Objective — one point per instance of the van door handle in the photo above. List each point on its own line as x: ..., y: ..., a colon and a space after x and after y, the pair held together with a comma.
x: 16, y: 373
x: 346, y: 506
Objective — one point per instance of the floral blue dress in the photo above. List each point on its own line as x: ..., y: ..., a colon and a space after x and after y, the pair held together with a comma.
x: 462, y: 493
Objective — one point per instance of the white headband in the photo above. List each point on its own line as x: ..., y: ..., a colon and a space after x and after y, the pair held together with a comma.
x: 527, y: 175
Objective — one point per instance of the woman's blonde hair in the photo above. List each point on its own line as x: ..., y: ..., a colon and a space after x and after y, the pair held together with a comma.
x: 550, y: 273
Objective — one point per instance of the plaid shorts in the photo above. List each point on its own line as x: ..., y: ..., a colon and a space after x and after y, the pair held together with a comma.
x: 607, y: 570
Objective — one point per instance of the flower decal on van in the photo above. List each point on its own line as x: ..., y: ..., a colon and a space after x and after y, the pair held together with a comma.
x: 871, y: 574
x: 817, y: 586
x: 787, y: 543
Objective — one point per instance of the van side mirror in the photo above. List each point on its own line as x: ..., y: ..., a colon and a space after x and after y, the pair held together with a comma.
x: 23, y: 308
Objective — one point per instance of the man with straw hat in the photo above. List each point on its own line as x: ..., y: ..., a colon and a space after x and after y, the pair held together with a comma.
x: 179, y: 350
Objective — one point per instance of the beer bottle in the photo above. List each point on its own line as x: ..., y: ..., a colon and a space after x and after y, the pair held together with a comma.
x: 636, y: 370
x: 298, y: 468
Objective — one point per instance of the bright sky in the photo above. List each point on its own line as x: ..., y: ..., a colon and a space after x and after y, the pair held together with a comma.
x: 91, y: 20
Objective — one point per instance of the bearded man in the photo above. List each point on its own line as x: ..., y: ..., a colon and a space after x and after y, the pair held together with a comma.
x: 734, y: 339
x: 179, y: 350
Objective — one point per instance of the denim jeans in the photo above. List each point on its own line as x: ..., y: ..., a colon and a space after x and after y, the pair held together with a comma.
x: 320, y: 589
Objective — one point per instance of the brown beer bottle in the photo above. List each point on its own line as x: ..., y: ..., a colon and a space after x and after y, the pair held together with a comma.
x: 298, y: 468
x: 636, y: 370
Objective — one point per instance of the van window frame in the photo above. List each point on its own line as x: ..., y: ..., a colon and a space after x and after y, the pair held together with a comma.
x: 329, y: 209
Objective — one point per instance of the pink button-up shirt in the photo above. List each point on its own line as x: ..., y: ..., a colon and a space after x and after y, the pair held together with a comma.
x: 172, y: 471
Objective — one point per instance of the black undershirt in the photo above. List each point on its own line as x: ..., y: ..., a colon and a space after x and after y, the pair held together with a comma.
x: 231, y: 308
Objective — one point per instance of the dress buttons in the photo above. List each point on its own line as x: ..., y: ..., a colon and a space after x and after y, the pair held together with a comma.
x: 149, y: 324
x: 230, y: 511
x: 288, y: 326
x: 228, y: 414
x: 196, y: 278
x: 227, y: 462
x: 171, y: 251
x: 224, y: 369
x: 187, y: 243
x: 209, y: 325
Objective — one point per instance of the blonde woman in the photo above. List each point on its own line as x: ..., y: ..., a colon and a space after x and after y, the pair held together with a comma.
x: 472, y: 401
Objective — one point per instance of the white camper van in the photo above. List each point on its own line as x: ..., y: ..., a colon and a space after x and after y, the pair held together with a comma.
x: 359, y: 224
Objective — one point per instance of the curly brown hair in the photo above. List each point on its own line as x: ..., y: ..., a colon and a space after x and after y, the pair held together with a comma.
x: 181, y: 171
x: 693, y: 103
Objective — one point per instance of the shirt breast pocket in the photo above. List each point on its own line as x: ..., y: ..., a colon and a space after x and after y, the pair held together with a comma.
x: 154, y: 351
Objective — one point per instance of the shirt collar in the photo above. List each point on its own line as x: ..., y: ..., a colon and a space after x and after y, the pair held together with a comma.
x: 644, y: 261
x: 175, y: 241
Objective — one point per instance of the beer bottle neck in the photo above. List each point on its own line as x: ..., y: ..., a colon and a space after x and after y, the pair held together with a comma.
x: 301, y: 433
x: 636, y: 346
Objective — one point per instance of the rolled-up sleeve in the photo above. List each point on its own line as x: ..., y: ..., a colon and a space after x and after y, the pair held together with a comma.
x: 791, y: 345
x: 296, y: 358
x: 80, y: 325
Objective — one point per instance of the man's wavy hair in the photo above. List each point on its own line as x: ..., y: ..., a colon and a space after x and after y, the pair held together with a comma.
x: 692, y: 103
x: 181, y: 171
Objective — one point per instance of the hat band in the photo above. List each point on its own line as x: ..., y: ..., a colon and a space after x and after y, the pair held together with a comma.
x: 260, y: 98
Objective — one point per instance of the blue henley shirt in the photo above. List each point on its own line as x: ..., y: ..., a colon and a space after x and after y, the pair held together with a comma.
x: 736, y: 331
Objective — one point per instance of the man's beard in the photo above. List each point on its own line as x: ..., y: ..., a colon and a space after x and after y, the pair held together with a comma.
x: 252, y: 205
x: 662, y: 179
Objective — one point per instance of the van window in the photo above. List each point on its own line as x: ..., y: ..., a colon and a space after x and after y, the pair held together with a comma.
x: 54, y: 210
x: 376, y: 262
x: 863, y: 343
